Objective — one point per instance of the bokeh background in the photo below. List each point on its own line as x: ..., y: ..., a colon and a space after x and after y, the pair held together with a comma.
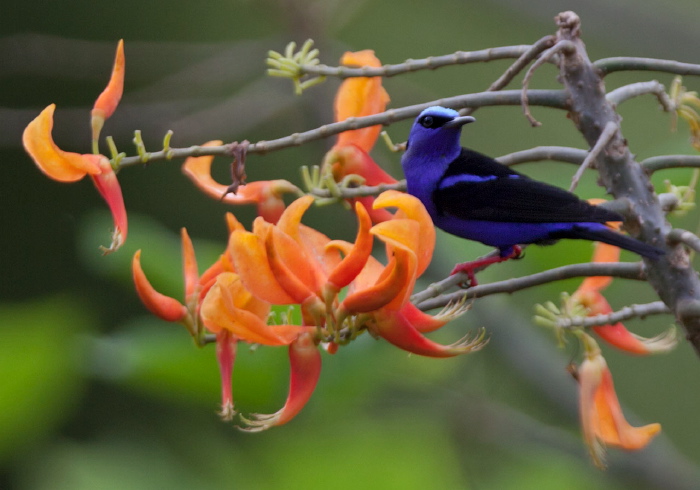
x: 97, y: 394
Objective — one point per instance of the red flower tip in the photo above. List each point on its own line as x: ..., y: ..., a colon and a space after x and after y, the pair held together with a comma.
x: 305, y: 369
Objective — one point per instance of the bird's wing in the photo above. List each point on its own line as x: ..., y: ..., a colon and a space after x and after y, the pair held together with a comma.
x: 476, y: 187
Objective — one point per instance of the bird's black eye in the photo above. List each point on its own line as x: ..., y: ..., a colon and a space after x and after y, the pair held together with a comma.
x: 427, y: 121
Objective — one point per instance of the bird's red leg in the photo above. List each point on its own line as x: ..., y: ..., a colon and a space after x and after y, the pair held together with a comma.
x: 469, y: 268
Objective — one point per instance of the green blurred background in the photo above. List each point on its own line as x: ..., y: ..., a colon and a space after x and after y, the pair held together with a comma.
x: 95, y: 393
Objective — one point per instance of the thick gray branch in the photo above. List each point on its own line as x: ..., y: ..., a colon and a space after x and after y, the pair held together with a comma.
x: 671, y: 276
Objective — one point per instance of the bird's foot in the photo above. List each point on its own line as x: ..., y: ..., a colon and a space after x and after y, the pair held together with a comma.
x: 471, y: 267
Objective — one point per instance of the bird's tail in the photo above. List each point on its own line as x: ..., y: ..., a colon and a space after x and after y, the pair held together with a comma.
x: 611, y: 237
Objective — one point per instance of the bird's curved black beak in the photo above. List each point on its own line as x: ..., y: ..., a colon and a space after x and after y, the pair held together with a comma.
x: 459, y: 121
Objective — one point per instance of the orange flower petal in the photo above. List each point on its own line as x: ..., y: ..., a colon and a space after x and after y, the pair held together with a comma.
x: 360, y: 96
x: 602, y: 420
x: 108, y: 100
x: 225, y: 356
x: 389, y: 291
x: 108, y: 186
x: 305, y: 370
x: 420, y: 320
x: 356, y: 258
x: 229, y: 305
x: 287, y: 263
x: 165, y: 307
x: 251, y: 263
x: 57, y: 164
x: 189, y: 266
x: 395, y: 327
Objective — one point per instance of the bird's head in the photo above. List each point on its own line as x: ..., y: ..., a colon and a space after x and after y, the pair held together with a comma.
x: 437, y: 130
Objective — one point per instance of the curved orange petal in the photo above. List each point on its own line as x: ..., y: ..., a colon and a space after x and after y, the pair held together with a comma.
x: 612, y: 427
x: 165, y: 307
x: 291, y: 217
x: 602, y: 420
x: 360, y: 96
x: 108, y: 186
x: 190, y: 270
x: 288, y: 265
x: 412, y: 208
x: 420, y: 320
x: 108, y: 100
x: 394, y: 327
x: 226, y: 345
x: 305, y: 369
x: 356, y: 258
x: 389, y: 290
x: 251, y: 263
x: 315, y: 243
x: 229, y: 305
x: 57, y: 164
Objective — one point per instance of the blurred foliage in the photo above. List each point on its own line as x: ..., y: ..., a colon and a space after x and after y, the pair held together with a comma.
x: 95, y: 393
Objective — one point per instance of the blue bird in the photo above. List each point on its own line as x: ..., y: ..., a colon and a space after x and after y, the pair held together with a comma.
x: 474, y: 197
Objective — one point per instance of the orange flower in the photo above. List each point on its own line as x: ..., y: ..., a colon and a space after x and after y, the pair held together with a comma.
x: 66, y: 166
x: 357, y: 97
x: 383, y: 293
x: 191, y: 315
x: 360, y: 96
x: 267, y: 194
x: 602, y: 420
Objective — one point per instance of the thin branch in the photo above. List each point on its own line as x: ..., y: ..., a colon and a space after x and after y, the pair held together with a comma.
x: 631, y: 311
x: 430, y: 63
x: 560, y: 47
x: 685, y: 237
x: 626, y: 270
x: 610, y: 129
x: 359, y: 191
x: 546, y: 98
x: 519, y: 64
x: 663, y: 162
x: 622, y: 94
x: 540, y: 153
x: 611, y: 65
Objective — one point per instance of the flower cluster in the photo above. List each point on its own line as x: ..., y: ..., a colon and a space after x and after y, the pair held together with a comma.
x: 339, y: 287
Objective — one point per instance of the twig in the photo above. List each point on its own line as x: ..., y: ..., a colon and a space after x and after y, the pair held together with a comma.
x: 631, y: 311
x: 663, y: 162
x: 622, y: 63
x: 430, y: 63
x: 561, y: 46
x: 513, y: 70
x: 610, y: 129
x: 547, y: 98
x: 622, y: 94
x: 685, y: 237
x: 540, y: 153
x: 626, y: 270
x: 359, y: 191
